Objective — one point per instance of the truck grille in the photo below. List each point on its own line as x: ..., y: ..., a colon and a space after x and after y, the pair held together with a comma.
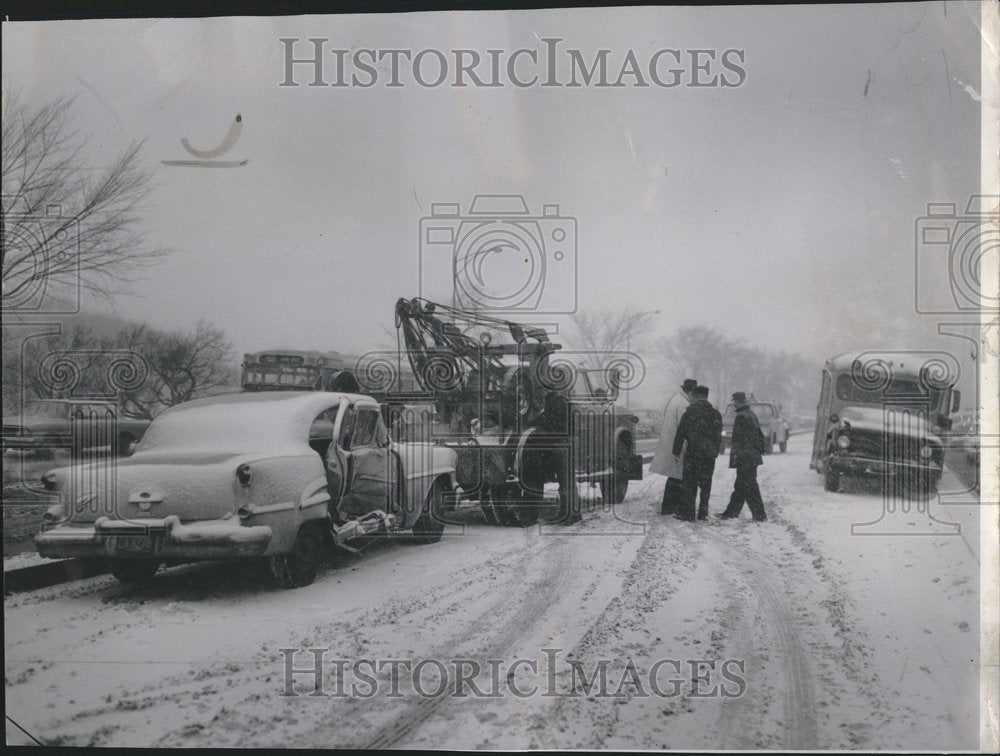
x: 888, y: 447
x: 13, y: 430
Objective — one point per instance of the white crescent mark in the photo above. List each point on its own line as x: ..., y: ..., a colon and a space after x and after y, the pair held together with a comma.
x: 227, y: 144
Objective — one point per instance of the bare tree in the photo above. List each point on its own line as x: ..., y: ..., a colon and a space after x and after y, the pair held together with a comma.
x: 65, y: 224
x: 725, y: 365
x: 599, y: 333
x: 50, y: 366
x: 179, y: 366
x: 699, y: 352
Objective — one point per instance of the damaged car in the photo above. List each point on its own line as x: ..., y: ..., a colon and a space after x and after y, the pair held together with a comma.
x: 279, y: 476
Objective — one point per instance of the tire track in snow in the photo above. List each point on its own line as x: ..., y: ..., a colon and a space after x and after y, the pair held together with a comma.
x: 555, y: 576
x: 799, y: 698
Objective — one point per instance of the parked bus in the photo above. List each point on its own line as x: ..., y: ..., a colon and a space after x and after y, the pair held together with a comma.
x: 304, y: 370
x: 881, y: 414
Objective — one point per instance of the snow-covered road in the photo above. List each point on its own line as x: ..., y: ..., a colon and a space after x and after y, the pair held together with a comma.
x: 788, y: 634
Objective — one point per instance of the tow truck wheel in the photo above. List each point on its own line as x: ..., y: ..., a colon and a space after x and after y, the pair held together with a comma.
x: 523, y: 508
x: 133, y: 570
x: 430, y: 525
x: 615, y: 487
x: 486, y: 505
x: 514, y: 507
x: 298, y: 567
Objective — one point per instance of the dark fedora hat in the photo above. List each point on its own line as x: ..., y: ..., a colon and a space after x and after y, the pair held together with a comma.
x: 689, y: 383
x: 739, y: 398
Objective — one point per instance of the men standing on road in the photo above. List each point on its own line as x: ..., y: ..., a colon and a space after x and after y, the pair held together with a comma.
x: 664, y: 461
x: 701, y: 430
x: 745, y: 456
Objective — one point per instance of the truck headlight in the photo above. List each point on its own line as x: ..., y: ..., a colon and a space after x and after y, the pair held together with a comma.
x: 926, y: 451
x: 843, y: 441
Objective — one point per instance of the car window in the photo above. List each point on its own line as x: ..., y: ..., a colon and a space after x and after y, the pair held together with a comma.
x: 364, y: 430
x: 322, y: 426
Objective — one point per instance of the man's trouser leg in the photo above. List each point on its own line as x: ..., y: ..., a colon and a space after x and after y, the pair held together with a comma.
x: 752, y: 494
x: 738, y: 496
x: 686, y: 509
x: 706, y: 492
x: 673, y: 496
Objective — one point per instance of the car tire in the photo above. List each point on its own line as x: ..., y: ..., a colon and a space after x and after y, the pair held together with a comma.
x: 298, y: 567
x: 133, y: 570
x: 783, y: 446
x: 430, y: 525
x: 831, y: 481
x: 48, y: 448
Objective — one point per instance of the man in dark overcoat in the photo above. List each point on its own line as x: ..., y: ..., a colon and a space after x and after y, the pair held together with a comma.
x: 699, y: 435
x: 745, y: 457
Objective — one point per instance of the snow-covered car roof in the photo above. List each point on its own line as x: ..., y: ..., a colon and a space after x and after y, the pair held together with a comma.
x: 242, y: 422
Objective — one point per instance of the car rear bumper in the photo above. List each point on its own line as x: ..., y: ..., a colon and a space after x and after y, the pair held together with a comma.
x: 168, y: 539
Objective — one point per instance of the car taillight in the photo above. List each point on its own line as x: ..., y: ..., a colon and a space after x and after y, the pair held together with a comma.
x: 243, y: 475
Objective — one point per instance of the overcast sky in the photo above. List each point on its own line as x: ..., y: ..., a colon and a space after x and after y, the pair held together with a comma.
x: 781, y: 211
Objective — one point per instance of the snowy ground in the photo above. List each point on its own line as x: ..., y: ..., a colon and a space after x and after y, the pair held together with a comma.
x: 845, y: 641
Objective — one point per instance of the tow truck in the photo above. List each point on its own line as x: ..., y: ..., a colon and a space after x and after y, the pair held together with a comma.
x: 516, y: 413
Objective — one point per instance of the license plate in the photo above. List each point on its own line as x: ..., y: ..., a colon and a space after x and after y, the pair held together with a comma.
x: 133, y: 544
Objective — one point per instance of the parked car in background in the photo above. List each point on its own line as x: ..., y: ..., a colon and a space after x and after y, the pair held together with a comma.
x: 773, y: 425
x: 649, y: 423
x: 278, y: 475
x: 45, y: 425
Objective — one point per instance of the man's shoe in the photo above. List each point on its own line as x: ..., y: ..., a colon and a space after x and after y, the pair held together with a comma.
x: 725, y: 516
x: 702, y: 517
x: 684, y: 519
x: 760, y: 519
